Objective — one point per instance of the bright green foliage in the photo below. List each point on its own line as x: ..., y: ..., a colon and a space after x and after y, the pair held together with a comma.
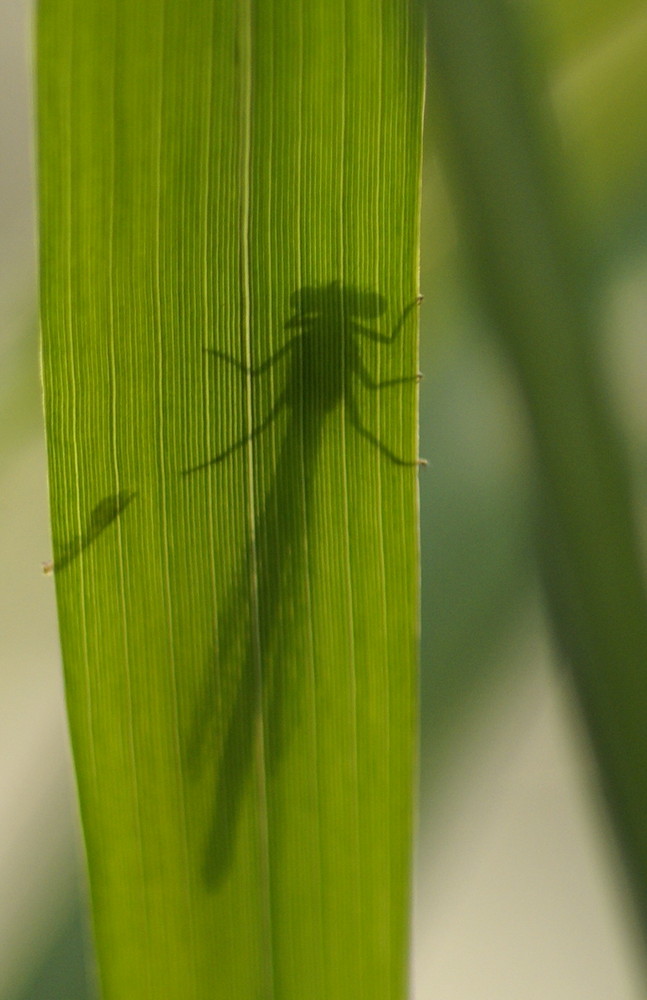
x: 239, y: 640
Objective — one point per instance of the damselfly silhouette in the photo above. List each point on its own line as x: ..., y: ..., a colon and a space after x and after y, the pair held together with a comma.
x: 324, y: 364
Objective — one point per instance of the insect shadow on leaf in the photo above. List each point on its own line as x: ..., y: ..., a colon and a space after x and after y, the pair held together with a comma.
x: 323, y: 365
x: 102, y: 516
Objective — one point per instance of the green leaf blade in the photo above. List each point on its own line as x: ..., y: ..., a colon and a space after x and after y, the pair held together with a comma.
x: 239, y: 641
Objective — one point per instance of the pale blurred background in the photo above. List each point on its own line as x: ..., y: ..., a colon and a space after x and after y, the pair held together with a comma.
x: 518, y: 892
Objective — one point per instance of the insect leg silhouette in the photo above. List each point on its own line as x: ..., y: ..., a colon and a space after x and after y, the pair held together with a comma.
x: 367, y: 379
x: 388, y: 338
x: 251, y: 370
x: 356, y: 422
x: 241, y: 442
